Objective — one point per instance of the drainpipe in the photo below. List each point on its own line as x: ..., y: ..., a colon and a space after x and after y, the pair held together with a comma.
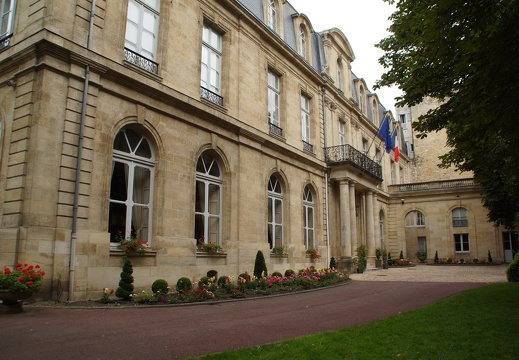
x: 73, y: 236
x: 326, y: 182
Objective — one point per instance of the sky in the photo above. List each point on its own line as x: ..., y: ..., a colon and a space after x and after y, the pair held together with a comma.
x: 364, y: 23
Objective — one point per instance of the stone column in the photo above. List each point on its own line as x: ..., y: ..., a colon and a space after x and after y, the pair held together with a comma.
x: 376, y: 221
x: 370, y: 229
x: 345, y: 218
x: 353, y: 219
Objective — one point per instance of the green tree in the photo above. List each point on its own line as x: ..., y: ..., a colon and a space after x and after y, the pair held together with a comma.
x: 125, y: 288
x: 464, y: 54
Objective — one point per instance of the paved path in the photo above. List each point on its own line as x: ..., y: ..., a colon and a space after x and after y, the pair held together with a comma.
x: 182, y: 331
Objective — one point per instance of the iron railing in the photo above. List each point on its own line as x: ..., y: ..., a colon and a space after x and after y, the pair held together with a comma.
x: 211, y: 96
x: 308, y: 147
x: 5, y: 42
x: 275, y: 130
x: 460, y: 222
x: 140, y: 61
x: 348, y: 155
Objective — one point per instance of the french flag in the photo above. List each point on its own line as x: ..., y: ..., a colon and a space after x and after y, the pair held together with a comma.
x: 395, y: 144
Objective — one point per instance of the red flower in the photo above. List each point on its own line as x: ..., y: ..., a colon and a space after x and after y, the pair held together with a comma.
x: 33, y: 275
x: 30, y: 283
x: 7, y: 271
x: 20, y: 279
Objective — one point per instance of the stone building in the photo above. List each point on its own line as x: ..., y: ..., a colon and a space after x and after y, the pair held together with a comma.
x: 181, y: 123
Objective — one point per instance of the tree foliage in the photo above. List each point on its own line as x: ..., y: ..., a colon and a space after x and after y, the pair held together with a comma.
x: 465, y: 54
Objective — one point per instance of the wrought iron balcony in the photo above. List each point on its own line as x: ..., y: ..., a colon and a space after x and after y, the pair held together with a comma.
x: 275, y: 130
x: 460, y: 222
x: 5, y: 42
x: 308, y: 147
x: 211, y: 96
x: 140, y: 61
x: 348, y: 155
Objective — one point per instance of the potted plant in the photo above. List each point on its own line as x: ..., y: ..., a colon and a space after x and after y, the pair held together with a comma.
x: 362, y: 258
x: 421, y: 255
x: 378, y: 255
x: 209, y: 248
x: 19, y: 284
x: 278, y: 250
x: 314, y: 255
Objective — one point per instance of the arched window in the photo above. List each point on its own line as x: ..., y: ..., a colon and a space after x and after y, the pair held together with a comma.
x: 131, y: 187
x: 460, y: 217
x: 272, y: 15
x: 308, y: 218
x: 415, y: 219
x: 275, y: 212
x: 208, y: 203
x: 302, y: 41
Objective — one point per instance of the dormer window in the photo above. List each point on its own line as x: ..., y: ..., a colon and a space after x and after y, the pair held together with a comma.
x: 302, y: 41
x: 272, y: 15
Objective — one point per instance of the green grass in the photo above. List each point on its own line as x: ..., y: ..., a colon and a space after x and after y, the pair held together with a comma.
x: 477, y: 324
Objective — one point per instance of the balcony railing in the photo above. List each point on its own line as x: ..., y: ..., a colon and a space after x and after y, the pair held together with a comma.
x: 308, y: 147
x: 348, y: 155
x: 434, y: 185
x: 4, y: 43
x: 211, y: 96
x: 140, y: 61
x: 275, y: 130
x: 460, y: 222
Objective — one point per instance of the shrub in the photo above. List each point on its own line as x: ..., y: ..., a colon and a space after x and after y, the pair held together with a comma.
x: 389, y: 259
x: 204, y: 280
x: 184, y: 284
x: 125, y: 288
x: 277, y: 273
x: 333, y: 265
x: 223, y: 280
x: 260, y: 267
x: 512, y: 271
x: 159, y: 285
x: 436, y: 258
x: 289, y: 272
x: 489, y: 257
x: 401, y: 255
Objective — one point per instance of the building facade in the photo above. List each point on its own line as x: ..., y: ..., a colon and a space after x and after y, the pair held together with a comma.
x: 182, y: 123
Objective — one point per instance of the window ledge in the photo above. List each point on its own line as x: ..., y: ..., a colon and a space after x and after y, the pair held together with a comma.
x: 118, y: 252
x: 279, y: 256
x: 205, y: 254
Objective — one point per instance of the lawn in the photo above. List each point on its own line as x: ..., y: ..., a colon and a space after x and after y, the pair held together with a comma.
x: 477, y: 324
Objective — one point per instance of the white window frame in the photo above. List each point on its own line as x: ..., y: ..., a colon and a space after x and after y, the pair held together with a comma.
x: 463, y: 241
x: 275, y: 212
x: 132, y: 160
x: 342, y: 133
x: 146, y: 25
x: 7, y: 18
x: 309, y: 218
x: 211, y: 212
x: 414, y: 219
x: 272, y: 20
x: 305, y: 119
x: 393, y: 173
x: 211, y: 72
x: 339, y: 75
x: 274, y: 99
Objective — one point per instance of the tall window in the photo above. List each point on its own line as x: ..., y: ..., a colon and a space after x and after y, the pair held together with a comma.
x: 208, y: 203
x: 461, y: 243
x: 364, y: 146
x: 308, y: 220
x: 339, y: 75
x: 361, y: 98
x: 302, y: 41
x: 403, y: 121
x: 211, y: 59
x: 131, y: 187
x: 342, y: 136
x: 275, y: 212
x: 272, y: 15
x: 273, y: 99
x: 393, y: 172
x: 460, y: 217
x: 6, y: 21
x: 305, y: 118
x: 415, y: 219
x: 142, y: 26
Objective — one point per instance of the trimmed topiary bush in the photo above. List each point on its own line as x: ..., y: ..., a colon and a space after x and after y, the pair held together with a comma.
x: 260, y: 267
x: 184, y: 284
x: 289, y: 272
x: 277, y: 273
x: 204, y: 280
x: 401, y: 255
x: 489, y: 257
x: 159, y: 285
x: 512, y: 271
x: 436, y: 258
x: 333, y: 265
x: 125, y: 288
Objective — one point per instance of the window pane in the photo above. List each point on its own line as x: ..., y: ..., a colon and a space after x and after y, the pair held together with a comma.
x: 200, y: 197
x: 278, y: 211
x: 120, y: 143
x: 140, y: 219
x: 271, y: 211
x: 311, y: 239
x: 199, y: 228
x: 144, y: 150
x: 214, y: 230
x: 117, y: 221
x: 311, y: 217
x: 118, y: 185
x: 141, y: 185
x: 214, y: 199
x: 278, y: 238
